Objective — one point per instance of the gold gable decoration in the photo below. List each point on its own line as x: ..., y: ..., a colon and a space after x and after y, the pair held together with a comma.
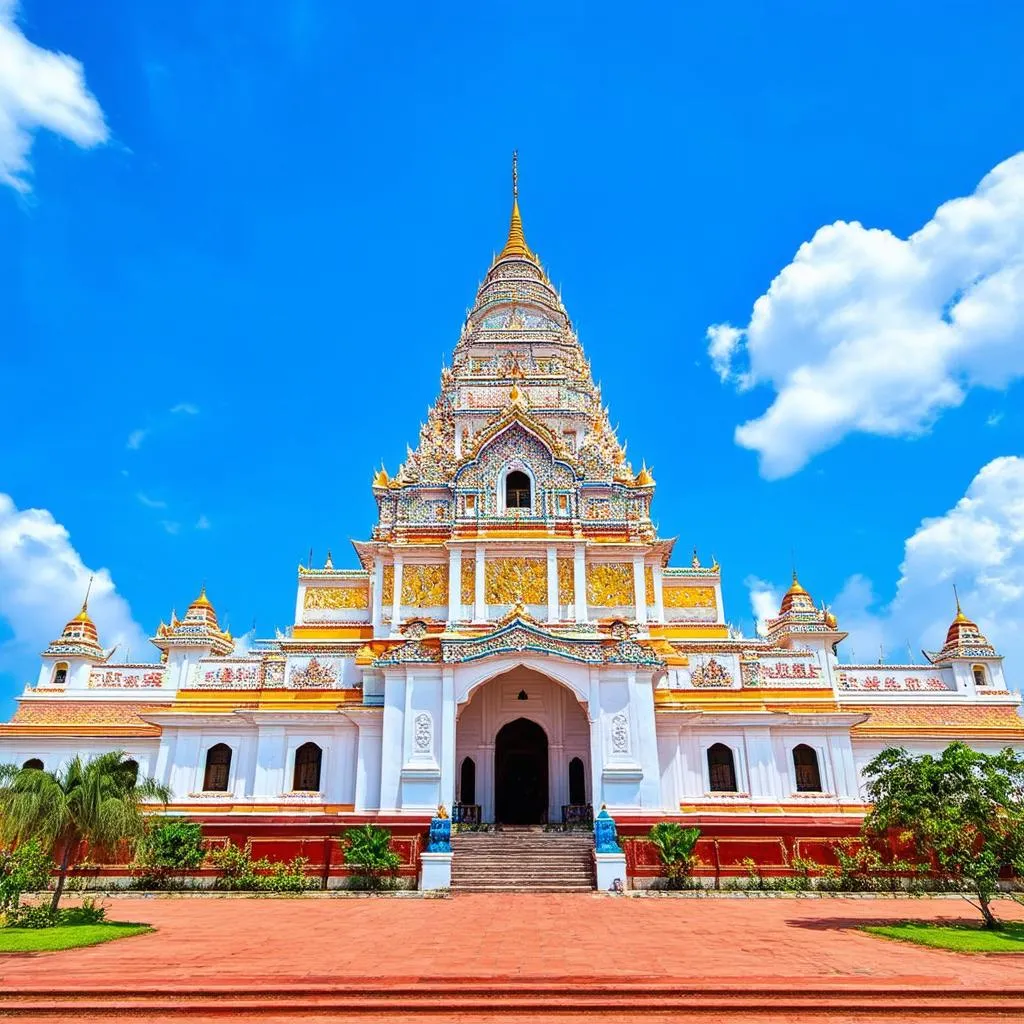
x: 467, y: 582
x: 336, y: 597
x: 424, y: 586
x: 566, y: 581
x: 509, y: 580
x: 688, y: 597
x: 387, y: 590
x: 610, y: 584
x: 649, y: 584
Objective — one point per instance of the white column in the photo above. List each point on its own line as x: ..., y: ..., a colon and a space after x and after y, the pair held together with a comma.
x: 446, y: 755
x: 269, y: 780
x: 396, y: 597
x: 659, y: 603
x: 479, y: 608
x: 552, y: 583
x: 392, y: 739
x: 377, y: 585
x: 762, y: 772
x: 596, y: 745
x: 368, y: 761
x: 579, y: 582
x: 454, y: 584
x: 639, y: 590
x: 645, y: 737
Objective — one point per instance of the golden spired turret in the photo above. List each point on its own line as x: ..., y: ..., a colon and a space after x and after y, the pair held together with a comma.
x: 516, y: 244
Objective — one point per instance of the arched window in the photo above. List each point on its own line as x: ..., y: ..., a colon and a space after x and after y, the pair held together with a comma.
x: 721, y: 769
x: 577, y: 783
x: 467, y: 781
x: 517, y: 490
x: 307, y: 767
x: 979, y: 675
x: 805, y: 766
x: 33, y: 762
x: 60, y: 673
x: 218, y: 768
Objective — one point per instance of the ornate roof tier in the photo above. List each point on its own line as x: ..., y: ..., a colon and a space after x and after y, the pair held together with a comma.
x: 79, y: 639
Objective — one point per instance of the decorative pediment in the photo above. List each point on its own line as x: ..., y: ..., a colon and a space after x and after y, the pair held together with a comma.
x: 521, y: 636
x: 513, y: 415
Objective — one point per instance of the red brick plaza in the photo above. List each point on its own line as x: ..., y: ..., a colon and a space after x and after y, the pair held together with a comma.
x: 517, y: 957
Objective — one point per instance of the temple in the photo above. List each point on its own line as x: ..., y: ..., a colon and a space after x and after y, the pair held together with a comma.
x: 514, y: 643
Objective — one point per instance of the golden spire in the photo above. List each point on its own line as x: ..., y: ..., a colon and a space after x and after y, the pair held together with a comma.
x: 516, y: 244
x: 83, y: 615
x: 202, y: 599
x: 960, y: 617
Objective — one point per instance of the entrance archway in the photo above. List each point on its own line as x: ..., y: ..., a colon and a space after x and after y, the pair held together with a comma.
x: 521, y: 773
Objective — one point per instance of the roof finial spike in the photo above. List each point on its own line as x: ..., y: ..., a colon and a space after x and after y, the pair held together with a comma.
x: 956, y: 597
x: 515, y: 174
x: 516, y: 243
x: 88, y: 591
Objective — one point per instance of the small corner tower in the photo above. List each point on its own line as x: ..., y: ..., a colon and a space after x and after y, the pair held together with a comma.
x: 975, y: 662
x: 800, y: 624
x: 184, y: 642
x: 68, y: 659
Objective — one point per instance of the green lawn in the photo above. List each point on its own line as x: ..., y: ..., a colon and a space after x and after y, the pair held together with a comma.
x: 43, y: 940
x: 1007, y: 938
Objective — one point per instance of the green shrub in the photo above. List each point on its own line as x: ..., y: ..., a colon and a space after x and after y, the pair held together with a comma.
x: 240, y: 873
x: 42, y: 915
x: 26, y: 868
x: 368, y: 851
x: 675, y: 846
x: 88, y: 913
x: 168, y: 849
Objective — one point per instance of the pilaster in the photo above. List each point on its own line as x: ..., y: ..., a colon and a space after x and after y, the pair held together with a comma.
x: 579, y: 581
x: 479, y: 607
x: 659, y: 600
x: 639, y: 590
x: 552, y: 583
x: 455, y: 584
x: 396, y: 597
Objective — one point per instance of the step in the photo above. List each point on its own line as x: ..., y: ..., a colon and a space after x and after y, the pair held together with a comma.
x: 514, y: 998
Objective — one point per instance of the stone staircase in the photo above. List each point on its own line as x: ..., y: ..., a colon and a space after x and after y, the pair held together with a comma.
x: 523, y: 859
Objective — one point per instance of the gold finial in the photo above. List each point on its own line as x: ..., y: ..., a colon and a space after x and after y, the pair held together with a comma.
x: 960, y: 617
x: 516, y: 243
x: 202, y: 599
x: 83, y: 615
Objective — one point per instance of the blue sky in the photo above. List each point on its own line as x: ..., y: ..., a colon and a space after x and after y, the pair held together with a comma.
x: 273, y: 224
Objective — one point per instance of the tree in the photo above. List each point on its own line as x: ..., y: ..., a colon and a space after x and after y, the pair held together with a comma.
x: 368, y: 850
x: 26, y: 868
x: 675, y: 846
x: 169, y: 847
x: 963, y: 811
x: 97, y: 801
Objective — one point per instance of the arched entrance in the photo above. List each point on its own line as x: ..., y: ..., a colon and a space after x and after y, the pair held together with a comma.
x: 521, y: 773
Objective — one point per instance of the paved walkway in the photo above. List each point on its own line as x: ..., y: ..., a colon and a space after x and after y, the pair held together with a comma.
x: 516, y: 938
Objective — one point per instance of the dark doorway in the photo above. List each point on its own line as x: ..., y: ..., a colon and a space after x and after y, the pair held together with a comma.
x: 521, y: 774
x: 577, y: 783
x: 467, y: 781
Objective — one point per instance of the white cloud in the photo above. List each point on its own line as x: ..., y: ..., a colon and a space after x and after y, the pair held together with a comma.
x: 186, y: 408
x: 39, y: 89
x: 243, y: 643
x: 135, y: 439
x: 203, y: 523
x: 44, y: 582
x: 149, y: 502
x: 868, y: 332
x: 171, y: 526
x: 764, y: 599
x: 978, y: 545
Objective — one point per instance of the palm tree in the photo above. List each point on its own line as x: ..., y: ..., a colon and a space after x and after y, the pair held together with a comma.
x: 98, y: 801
